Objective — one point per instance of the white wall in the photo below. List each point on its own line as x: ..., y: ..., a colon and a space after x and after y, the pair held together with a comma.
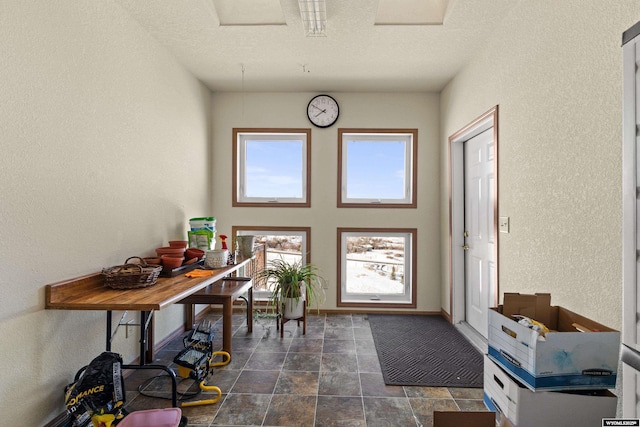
x: 105, y: 146
x: 555, y: 70
x: 371, y: 110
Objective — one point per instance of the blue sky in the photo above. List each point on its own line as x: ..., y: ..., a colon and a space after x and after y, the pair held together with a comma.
x: 375, y: 169
x: 274, y: 168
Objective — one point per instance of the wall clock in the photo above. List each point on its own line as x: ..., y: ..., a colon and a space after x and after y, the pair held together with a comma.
x: 323, y: 111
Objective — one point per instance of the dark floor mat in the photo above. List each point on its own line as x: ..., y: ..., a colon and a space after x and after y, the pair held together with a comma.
x: 424, y: 351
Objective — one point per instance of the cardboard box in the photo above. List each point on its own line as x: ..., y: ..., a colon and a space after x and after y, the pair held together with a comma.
x: 526, y: 408
x: 565, y: 359
x: 464, y: 418
x: 536, y: 306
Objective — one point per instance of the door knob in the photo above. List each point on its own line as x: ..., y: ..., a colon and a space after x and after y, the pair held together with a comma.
x: 465, y: 247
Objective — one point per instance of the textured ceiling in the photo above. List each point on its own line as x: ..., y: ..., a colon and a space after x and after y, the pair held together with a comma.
x: 367, y: 47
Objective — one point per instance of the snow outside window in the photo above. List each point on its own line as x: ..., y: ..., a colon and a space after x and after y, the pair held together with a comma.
x: 377, y: 267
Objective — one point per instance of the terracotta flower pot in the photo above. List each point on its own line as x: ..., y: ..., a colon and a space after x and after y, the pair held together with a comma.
x: 194, y: 253
x: 171, y: 262
x: 178, y: 243
x: 167, y: 250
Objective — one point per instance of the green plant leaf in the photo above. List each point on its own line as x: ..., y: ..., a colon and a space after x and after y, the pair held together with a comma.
x: 287, y: 278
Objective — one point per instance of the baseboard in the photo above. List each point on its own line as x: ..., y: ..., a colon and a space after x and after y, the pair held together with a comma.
x: 240, y: 308
x: 446, y: 315
x: 473, y: 337
x: 172, y: 336
x: 59, y: 421
x: 369, y: 311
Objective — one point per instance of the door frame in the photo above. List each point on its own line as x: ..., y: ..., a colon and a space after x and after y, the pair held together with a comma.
x: 457, y: 296
x: 630, y: 232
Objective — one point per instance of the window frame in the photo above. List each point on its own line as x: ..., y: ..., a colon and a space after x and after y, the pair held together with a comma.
x: 304, y: 232
x: 411, y: 184
x: 343, y: 299
x: 239, y: 167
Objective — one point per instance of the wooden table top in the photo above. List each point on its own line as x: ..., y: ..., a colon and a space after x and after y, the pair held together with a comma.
x: 219, y: 291
x: 90, y: 293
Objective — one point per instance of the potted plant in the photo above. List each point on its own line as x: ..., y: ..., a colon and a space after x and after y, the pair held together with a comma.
x: 292, y: 284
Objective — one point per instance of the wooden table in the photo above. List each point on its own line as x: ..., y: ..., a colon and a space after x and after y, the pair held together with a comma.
x: 225, y: 292
x: 89, y: 293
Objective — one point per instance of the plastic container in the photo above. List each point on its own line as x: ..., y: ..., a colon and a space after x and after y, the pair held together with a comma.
x: 202, y: 239
x: 203, y: 233
x: 206, y: 223
x: 168, y: 417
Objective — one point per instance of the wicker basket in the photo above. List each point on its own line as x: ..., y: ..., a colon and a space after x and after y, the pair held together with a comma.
x: 130, y: 276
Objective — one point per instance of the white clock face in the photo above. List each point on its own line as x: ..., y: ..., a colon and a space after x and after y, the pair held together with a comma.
x: 323, y: 111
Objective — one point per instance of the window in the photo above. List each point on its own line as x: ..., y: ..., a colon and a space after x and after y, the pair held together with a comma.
x: 290, y: 243
x: 377, y: 267
x: 377, y: 168
x: 271, y: 167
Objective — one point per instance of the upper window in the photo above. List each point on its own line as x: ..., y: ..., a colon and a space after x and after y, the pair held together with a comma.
x: 271, y: 167
x: 377, y: 167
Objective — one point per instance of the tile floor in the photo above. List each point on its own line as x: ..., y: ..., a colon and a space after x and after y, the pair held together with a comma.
x: 328, y: 377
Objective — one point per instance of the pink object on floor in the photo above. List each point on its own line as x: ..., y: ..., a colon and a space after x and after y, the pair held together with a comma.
x: 169, y: 417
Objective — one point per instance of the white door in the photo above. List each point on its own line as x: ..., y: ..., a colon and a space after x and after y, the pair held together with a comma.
x: 479, y: 229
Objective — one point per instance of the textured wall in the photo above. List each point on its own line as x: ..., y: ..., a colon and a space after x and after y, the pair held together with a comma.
x: 104, y: 155
x: 554, y: 68
x: 357, y: 110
